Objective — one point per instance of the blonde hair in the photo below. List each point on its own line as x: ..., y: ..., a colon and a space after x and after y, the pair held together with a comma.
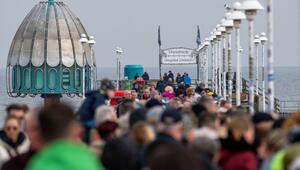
x: 239, y: 125
x: 190, y: 91
x: 142, y: 133
x: 292, y: 121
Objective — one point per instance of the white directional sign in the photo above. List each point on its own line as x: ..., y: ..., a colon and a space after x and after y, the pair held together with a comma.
x: 179, y: 55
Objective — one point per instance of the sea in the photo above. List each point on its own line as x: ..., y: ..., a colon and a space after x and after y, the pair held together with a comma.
x: 287, y: 85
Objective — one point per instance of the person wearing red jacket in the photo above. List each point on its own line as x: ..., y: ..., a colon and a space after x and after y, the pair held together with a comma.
x: 238, y: 152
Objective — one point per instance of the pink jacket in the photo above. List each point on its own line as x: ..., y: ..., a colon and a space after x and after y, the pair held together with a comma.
x: 168, y: 95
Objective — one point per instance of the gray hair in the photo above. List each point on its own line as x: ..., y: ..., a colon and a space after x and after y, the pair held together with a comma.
x: 205, y: 146
x: 105, y: 113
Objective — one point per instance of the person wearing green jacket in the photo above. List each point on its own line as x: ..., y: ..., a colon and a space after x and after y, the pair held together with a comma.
x: 64, y: 155
x: 62, y: 149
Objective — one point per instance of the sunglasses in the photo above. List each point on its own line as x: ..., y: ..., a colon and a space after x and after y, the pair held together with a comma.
x: 11, y: 128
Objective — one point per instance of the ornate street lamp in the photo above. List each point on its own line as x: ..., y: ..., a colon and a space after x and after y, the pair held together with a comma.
x: 119, y: 52
x: 263, y: 40
x: 220, y: 36
x: 229, y: 27
x: 271, y: 89
x: 92, y: 42
x: 212, y: 49
x: 237, y: 16
x: 251, y: 7
x: 256, y: 43
x: 206, y: 45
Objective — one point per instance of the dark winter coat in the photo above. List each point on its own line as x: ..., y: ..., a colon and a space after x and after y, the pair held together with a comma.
x: 19, y: 162
x: 86, y: 111
x: 237, y: 155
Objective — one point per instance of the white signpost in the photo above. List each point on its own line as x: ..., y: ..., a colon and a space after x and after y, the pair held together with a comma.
x: 177, y: 56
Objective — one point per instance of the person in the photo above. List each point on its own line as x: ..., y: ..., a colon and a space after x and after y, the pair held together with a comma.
x: 200, y: 88
x: 225, y: 106
x: 263, y: 123
x: 175, y: 103
x: 134, y: 96
x: 93, y: 100
x: 180, y: 88
x: 169, y: 156
x: 168, y: 93
x: 107, y: 131
x: 32, y: 129
x: 187, y: 80
x: 153, y: 117
x: 170, y: 76
x: 62, y: 149
x: 178, y: 78
x: 171, y: 127
x: 136, y: 76
x: 190, y: 94
x: 274, y: 143
x: 170, y: 132
x: 105, y: 113
x: 160, y: 85
x: 146, y: 94
x: 142, y: 134
x: 123, y: 111
x: 17, y: 110
x: 165, y: 77
x: 237, y: 152
x: 118, y: 154
x: 122, y: 152
x: 207, y: 151
x: 209, y: 125
x: 146, y: 76
x: 208, y: 103
x: 12, y: 140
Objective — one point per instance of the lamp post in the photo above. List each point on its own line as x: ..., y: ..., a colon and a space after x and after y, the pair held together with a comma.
x: 251, y: 7
x: 263, y: 40
x: 237, y: 16
x: 222, y: 66
x: 229, y: 27
x: 256, y: 43
x: 224, y: 57
x: 92, y: 42
x: 270, y: 58
x: 216, y: 47
x: 83, y: 40
x: 212, y: 38
x: 119, y: 52
x: 206, y: 45
x: 241, y: 50
x: 219, y: 58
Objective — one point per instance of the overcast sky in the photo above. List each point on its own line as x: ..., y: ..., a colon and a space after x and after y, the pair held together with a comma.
x: 132, y: 25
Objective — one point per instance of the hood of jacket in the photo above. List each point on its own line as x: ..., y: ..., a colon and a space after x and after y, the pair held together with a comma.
x: 4, y: 138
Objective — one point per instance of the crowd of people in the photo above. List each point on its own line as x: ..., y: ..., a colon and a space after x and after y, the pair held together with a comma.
x: 160, y: 129
x: 169, y: 78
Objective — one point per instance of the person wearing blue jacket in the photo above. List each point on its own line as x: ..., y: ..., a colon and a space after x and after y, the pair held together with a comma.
x: 93, y: 100
x: 187, y: 80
